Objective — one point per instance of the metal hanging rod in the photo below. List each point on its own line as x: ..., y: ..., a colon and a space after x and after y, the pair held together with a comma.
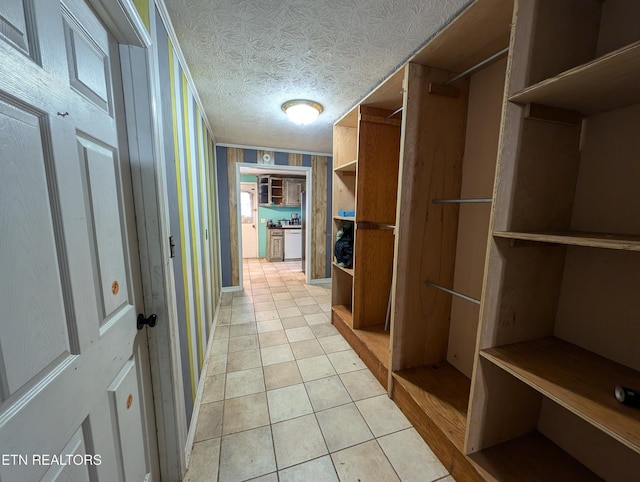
x: 454, y: 293
x: 477, y: 66
x: 462, y: 201
x: 393, y: 113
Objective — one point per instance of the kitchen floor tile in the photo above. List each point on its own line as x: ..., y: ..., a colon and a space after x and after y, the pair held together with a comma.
x: 317, y: 470
x: 242, y: 343
x: 282, y: 375
x: 243, y: 360
x: 204, y: 461
x: 327, y: 393
x: 324, y: 329
x: 294, y: 322
x: 272, y: 338
x: 343, y: 427
x: 209, y: 421
x: 288, y: 402
x: 268, y: 315
x: 285, y: 303
x: 299, y: 334
x: 382, y: 415
x: 364, y: 462
x: 243, y: 329
x: 270, y: 325
x: 213, y: 390
x: 346, y: 361
x: 239, y: 318
x: 306, y: 349
x: 289, y: 312
x: 245, y: 413
x: 362, y: 384
x: 272, y: 355
x: 244, y: 382
x: 247, y: 455
x: 315, y: 367
x: 291, y: 448
x: 316, y: 318
x: 411, y: 457
x: 310, y: 309
x: 264, y: 306
x: 331, y: 344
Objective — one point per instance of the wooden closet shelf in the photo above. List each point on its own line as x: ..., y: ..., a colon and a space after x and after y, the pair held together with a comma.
x: 345, y: 218
x: 520, y: 459
x: 442, y: 394
x: 606, y: 83
x: 349, y: 271
x: 578, y: 380
x: 344, y: 312
x: 348, y: 168
x: 577, y: 238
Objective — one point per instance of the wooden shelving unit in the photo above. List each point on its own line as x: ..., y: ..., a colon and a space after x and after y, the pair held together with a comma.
x: 560, y: 302
x: 519, y: 386
x: 366, y: 150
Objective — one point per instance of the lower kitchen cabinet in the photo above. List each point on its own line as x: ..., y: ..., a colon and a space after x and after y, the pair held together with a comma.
x: 275, y: 245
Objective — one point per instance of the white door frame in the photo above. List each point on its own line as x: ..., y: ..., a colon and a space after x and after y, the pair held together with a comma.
x: 140, y: 77
x: 307, y: 214
x: 255, y: 218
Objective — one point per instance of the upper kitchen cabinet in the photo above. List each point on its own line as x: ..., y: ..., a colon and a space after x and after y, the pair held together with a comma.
x: 293, y: 191
x: 277, y: 191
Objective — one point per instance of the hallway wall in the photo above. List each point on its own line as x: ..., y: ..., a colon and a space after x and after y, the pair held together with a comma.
x: 192, y: 196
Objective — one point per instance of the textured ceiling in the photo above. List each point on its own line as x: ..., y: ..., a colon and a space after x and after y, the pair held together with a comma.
x: 247, y: 57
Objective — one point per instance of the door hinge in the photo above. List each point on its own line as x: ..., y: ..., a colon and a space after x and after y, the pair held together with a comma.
x: 172, y: 248
x: 206, y: 234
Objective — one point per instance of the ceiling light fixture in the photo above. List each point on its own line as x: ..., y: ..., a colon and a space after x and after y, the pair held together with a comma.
x: 302, y: 111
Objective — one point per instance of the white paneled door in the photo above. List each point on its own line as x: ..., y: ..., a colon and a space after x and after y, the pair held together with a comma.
x: 248, y: 218
x: 74, y: 374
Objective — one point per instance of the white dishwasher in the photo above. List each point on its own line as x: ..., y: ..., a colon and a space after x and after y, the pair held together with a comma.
x: 292, y: 243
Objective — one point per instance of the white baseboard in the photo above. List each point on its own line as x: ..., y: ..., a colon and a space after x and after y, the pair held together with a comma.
x: 319, y: 281
x: 230, y: 289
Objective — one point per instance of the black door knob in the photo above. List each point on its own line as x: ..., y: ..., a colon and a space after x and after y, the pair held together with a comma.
x: 152, y: 320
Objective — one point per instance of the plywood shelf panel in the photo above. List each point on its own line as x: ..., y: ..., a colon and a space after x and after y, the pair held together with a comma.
x: 576, y: 379
x: 377, y: 340
x: 348, y: 168
x: 576, y: 238
x: 349, y: 271
x: 442, y: 392
x: 344, y: 312
x: 607, y: 83
x: 531, y: 457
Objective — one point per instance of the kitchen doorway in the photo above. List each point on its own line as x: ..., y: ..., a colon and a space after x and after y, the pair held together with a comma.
x: 305, y: 209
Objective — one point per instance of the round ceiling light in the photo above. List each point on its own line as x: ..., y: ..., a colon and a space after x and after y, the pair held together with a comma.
x: 302, y: 111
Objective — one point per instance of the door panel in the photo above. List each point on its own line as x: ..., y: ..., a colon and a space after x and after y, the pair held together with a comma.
x: 73, y: 366
x: 28, y: 257
x: 73, y: 453
x: 88, y: 62
x: 104, y: 202
x: 13, y: 25
x: 125, y: 406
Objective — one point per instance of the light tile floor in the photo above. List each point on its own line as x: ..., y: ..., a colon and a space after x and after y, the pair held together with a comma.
x: 287, y: 399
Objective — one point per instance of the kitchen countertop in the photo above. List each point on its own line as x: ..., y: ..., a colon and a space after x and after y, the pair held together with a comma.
x: 291, y: 226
